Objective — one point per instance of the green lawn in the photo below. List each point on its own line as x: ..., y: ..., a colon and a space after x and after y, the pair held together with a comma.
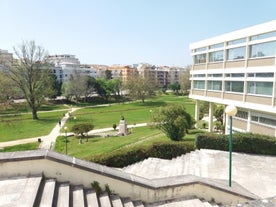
x: 20, y: 126
x: 140, y: 137
x: 135, y: 112
x: 21, y: 147
x: 23, y: 126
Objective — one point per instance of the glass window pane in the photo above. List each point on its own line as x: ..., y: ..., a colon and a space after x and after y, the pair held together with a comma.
x: 217, y: 46
x: 238, y: 41
x: 263, y: 50
x: 214, y: 85
x: 263, y: 36
x: 201, y: 58
x: 236, y: 53
x: 216, y: 56
x: 251, y: 87
x: 265, y: 75
x: 199, y: 84
x: 200, y: 49
x: 234, y: 86
x: 264, y: 88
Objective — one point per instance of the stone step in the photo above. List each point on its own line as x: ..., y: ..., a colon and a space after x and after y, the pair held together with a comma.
x: 127, y: 202
x: 63, y: 198
x: 116, y: 201
x: 184, y: 203
x: 207, y: 204
x: 48, y: 192
x: 91, y: 198
x: 78, y: 196
x: 104, y: 200
x: 19, y: 191
x: 138, y: 204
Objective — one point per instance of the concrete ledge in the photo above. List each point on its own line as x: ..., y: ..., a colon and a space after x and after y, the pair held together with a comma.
x: 66, y: 168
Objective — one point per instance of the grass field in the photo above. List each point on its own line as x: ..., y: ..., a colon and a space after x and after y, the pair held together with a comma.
x: 135, y: 112
x: 15, y: 125
x: 140, y: 137
x: 21, y: 147
x: 23, y: 126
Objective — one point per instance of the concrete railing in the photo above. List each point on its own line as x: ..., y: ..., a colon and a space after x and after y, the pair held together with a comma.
x: 66, y: 168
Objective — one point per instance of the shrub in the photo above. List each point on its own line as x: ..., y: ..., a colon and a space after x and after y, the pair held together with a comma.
x: 122, y: 158
x: 242, y: 142
x: 82, y: 128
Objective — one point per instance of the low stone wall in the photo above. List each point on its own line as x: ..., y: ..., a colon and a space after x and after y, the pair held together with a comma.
x: 66, y: 168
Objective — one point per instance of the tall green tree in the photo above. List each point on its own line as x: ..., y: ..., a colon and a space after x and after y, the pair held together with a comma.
x: 31, y: 74
x: 108, y: 75
x: 141, y: 87
x: 173, y: 120
x: 185, y: 82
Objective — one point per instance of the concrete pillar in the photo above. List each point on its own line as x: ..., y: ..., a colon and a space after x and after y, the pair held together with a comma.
x: 197, y: 112
x: 248, y: 121
x: 211, y: 113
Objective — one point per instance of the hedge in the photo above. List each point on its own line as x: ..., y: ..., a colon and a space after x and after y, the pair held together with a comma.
x: 242, y: 142
x: 125, y: 157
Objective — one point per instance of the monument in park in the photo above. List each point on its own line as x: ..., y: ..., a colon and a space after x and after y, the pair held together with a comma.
x: 123, y: 127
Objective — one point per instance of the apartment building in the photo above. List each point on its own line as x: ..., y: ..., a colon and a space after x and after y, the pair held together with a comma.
x: 238, y: 68
x: 6, y: 58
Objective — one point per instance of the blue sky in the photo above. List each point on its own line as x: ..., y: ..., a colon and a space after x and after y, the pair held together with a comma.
x: 126, y: 31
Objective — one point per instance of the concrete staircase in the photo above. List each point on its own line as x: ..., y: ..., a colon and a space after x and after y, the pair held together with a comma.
x: 26, y: 191
x: 213, y: 164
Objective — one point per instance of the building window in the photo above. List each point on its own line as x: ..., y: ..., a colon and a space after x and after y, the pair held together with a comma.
x: 238, y: 41
x: 242, y: 114
x: 199, y: 84
x: 262, y: 88
x: 216, y: 46
x: 216, y: 56
x: 201, y: 58
x: 264, y: 36
x: 234, y: 75
x: 214, y: 85
x: 216, y: 75
x: 199, y: 75
x: 261, y: 75
x: 236, y: 53
x: 263, y: 120
x: 234, y: 86
x: 200, y: 49
x: 263, y: 50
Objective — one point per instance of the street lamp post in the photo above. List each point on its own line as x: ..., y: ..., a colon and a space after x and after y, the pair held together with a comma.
x: 230, y: 111
x: 65, y: 129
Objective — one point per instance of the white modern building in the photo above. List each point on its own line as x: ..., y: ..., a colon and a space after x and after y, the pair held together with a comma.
x: 238, y: 68
x: 64, y: 66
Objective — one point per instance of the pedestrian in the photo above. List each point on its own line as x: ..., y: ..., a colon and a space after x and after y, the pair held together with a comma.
x: 59, y: 122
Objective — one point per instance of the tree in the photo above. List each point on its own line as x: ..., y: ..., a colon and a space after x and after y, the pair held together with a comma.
x: 175, y: 87
x: 104, y: 88
x: 141, y: 87
x: 32, y: 75
x: 81, y: 129
x: 108, y: 75
x: 173, y: 120
x: 185, y: 82
x: 78, y: 86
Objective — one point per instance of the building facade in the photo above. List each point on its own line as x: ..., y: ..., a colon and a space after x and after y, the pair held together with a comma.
x: 238, y: 68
